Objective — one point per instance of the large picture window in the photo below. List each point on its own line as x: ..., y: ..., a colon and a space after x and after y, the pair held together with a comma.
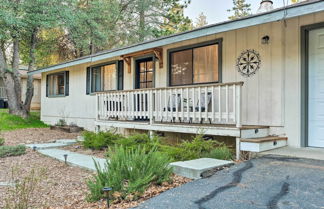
x: 105, y: 77
x: 57, y: 84
x: 195, y: 65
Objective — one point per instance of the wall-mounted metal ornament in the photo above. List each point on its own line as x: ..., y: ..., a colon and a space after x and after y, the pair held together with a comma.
x: 248, y: 62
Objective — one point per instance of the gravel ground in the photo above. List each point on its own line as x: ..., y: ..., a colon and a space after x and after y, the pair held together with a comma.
x: 62, y: 186
x: 34, y: 135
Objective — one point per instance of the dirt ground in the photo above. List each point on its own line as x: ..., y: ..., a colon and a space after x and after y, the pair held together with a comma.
x: 61, y: 186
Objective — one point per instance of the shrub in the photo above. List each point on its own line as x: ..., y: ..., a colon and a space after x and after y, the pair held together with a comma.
x: 7, y: 151
x: 24, y: 192
x: 135, y: 140
x: 2, y: 141
x: 196, y: 148
x: 222, y: 153
x: 130, y: 171
x: 61, y: 122
x: 174, y: 152
x: 99, y: 140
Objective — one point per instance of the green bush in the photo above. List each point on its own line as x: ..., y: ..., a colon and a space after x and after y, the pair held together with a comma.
x: 2, y: 141
x: 99, y: 140
x: 130, y: 171
x: 221, y: 153
x: 197, y: 148
x: 7, y: 151
x: 136, y: 140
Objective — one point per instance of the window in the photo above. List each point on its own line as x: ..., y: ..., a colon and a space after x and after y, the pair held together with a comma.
x: 195, y: 65
x: 104, y: 77
x: 57, y: 84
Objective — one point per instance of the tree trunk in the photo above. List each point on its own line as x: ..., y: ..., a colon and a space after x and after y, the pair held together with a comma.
x: 31, y: 67
x: 13, y: 85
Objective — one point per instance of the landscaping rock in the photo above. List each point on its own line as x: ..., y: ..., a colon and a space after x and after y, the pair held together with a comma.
x: 199, y: 168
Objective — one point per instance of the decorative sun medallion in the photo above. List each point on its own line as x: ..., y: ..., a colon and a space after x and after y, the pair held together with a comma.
x: 248, y: 62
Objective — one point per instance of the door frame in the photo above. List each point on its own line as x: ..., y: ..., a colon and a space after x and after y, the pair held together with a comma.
x: 136, y: 74
x: 304, y: 79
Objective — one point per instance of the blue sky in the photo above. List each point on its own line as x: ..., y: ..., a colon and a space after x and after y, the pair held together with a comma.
x: 216, y: 10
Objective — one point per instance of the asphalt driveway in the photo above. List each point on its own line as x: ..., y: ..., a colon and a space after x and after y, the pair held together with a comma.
x: 268, y: 182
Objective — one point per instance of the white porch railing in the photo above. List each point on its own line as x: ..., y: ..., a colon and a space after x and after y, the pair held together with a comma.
x: 3, y: 94
x: 213, y: 103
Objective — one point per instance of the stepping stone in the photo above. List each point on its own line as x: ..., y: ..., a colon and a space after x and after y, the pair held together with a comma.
x: 199, y: 168
x: 56, y: 144
x: 46, y: 145
x: 66, y: 141
x: 73, y: 158
x: 6, y: 184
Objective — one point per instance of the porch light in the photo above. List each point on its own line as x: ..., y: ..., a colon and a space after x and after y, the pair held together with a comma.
x: 106, y: 191
x: 65, y: 158
x: 265, y: 40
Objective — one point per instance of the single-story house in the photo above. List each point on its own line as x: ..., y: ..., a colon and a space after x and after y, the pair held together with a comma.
x: 36, y: 101
x: 258, y: 80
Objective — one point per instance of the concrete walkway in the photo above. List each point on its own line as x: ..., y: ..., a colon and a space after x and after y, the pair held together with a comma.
x: 75, y: 159
x: 304, y: 152
x: 269, y: 182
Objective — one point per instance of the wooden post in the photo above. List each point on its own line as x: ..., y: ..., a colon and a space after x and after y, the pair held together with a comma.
x: 238, y: 149
x: 238, y: 106
x: 97, y: 107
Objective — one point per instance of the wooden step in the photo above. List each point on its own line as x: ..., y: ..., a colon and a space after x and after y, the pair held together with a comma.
x: 263, y: 143
x: 254, y: 132
x: 264, y: 139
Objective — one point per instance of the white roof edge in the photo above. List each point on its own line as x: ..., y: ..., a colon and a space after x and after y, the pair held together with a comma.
x: 276, y: 15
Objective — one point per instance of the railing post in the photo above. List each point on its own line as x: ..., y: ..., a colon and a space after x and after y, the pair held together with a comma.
x: 150, y: 106
x: 97, y: 107
x: 238, y: 105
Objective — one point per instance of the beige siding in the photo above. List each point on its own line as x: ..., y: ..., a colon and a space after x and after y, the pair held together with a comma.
x: 270, y: 97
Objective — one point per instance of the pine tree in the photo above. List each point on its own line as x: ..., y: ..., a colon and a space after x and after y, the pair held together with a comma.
x: 240, y: 9
x: 201, y: 20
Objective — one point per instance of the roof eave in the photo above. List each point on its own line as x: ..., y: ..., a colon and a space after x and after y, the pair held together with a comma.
x: 276, y: 15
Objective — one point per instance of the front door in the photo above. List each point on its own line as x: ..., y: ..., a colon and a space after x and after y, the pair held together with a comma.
x: 144, y: 73
x: 144, y: 79
x: 316, y: 88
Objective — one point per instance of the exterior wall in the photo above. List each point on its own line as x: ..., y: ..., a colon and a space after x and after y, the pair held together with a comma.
x: 270, y: 97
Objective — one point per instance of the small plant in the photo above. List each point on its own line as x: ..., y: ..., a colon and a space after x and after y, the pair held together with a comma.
x: 73, y: 124
x: 99, y: 140
x: 23, y: 193
x: 7, y: 151
x: 222, y: 153
x: 61, y: 122
x: 129, y: 172
x: 2, y: 141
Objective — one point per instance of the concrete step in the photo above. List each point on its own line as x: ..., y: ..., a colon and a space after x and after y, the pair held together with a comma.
x: 262, y: 144
x: 75, y: 159
x: 256, y: 132
x: 199, y: 168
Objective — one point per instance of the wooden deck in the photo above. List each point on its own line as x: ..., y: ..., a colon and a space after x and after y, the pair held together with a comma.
x: 192, y: 128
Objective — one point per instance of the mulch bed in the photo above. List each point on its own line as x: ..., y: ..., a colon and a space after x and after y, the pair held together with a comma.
x: 34, y: 135
x: 63, y: 186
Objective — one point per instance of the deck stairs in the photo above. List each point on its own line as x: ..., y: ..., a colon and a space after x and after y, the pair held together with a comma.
x: 258, y: 140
